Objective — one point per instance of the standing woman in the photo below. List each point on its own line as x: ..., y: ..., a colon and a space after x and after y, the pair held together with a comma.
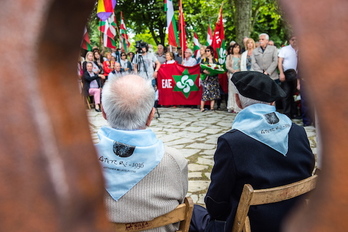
x: 245, y: 63
x: 233, y: 61
x: 210, y: 84
x: 125, y: 63
x: 170, y: 59
x: 202, y: 54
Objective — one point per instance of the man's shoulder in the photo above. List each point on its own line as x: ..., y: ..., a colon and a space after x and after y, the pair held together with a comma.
x: 232, y: 134
x: 176, y: 156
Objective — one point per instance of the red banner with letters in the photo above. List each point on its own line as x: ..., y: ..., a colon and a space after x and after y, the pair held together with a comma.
x: 179, y: 85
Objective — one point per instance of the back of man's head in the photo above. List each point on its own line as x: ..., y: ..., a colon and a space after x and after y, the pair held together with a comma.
x: 127, y: 102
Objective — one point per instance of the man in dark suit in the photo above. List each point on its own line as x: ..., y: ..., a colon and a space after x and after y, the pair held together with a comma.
x: 264, y: 149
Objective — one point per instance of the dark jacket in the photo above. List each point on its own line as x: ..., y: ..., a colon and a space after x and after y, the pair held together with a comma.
x: 239, y: 160
x: 87, y: 79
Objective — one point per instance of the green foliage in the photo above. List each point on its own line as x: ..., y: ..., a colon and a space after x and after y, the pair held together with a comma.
x: 146, y: 20
x: 144, y: 15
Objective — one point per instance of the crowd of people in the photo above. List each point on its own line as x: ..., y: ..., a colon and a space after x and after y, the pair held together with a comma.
x: 262, y: 56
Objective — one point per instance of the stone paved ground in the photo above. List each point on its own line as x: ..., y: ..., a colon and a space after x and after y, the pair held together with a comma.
x: 195, y: 135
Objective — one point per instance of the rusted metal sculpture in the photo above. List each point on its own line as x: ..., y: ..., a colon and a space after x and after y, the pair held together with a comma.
x: 322, y: 30
x: 49, y: 176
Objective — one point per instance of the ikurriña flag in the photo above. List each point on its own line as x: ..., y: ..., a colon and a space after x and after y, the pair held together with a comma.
x: 124, y: 35
x: 179, y: 85
x: 196, y: 45
x: 109, y: 31
x: 209, y: 36
x: 86, y: 42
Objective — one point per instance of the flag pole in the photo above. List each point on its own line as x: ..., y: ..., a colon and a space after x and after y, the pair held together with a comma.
x: 181, y: 29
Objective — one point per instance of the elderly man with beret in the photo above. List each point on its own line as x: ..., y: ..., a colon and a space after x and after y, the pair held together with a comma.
x: 264, y: 149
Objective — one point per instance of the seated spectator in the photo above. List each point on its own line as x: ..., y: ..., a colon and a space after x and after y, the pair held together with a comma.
x: 108, y: 64
x: 90, y: 58
x: 92, y: 84
x: 188, y: 60
x: 143, y: 178
x: 98, y: 60
x: 264, y: 149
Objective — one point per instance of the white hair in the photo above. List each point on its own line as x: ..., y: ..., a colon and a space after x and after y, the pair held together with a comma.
x: 265, y: 35
x: 245, y: 101
x: 128, y: 101
x: 189, y: 50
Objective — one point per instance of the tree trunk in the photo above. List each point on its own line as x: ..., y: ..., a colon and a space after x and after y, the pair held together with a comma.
x: 242, y: 19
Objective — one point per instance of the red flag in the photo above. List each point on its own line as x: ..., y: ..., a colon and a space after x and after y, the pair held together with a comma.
x: 182, y: 27
x: 219, y: 34
x: 179, y: 85
x: 86, y: 43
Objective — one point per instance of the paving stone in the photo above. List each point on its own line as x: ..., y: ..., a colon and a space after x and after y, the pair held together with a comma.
x: 189, y: 152
x: 207, y: 174
x: 209, y: 162
x: 194, y: 175
x: 201, y: 146
x: 196, y: 167
x: 210, y: 152
x: 200, y: 200
x: 197, y: 185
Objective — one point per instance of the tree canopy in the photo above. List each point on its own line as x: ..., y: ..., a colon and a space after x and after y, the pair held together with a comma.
x: 146, y: 19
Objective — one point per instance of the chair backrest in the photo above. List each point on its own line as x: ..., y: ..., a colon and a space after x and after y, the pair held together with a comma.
x: 182, y: 214
x: 265, y: 196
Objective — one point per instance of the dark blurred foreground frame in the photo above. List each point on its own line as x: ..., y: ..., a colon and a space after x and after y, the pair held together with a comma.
x: 321, y: 28
x: 49, y: 174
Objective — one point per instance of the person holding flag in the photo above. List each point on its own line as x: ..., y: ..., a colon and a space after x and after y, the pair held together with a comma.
x: 210, y: 83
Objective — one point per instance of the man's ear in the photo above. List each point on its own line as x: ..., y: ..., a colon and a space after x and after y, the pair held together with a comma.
x: 239, y: 104
x: 103, y: 112
x: 150, y: 117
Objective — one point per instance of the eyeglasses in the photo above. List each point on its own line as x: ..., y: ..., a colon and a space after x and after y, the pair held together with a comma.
x: 207, y: 50
x: 124, y: 55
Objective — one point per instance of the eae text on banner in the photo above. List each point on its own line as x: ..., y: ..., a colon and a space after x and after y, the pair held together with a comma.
x: 179, y: 85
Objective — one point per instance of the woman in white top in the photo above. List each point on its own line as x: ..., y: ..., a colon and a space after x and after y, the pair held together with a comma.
x: 245, y: 63
x: 170, y: 58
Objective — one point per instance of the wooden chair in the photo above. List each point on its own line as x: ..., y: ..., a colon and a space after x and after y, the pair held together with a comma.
x: 265, y: 196
x: 182, y: 214
x: 88, y: 100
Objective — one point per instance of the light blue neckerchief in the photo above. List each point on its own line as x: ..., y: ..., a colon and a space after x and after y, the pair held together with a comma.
x: 127, y: 156
x: 263, y: 123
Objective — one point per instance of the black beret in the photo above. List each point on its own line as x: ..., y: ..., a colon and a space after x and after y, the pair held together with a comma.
x: 257, y: 86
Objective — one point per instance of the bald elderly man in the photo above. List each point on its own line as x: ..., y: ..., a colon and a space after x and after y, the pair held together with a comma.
x: 143, y: 178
